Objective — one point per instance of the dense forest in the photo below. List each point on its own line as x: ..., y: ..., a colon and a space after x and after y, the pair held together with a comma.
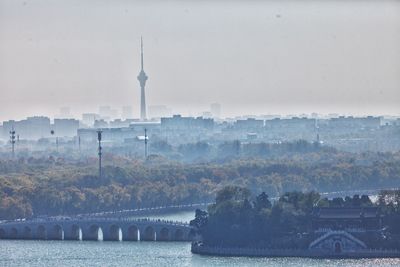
x: 32, y: 186
x: 239, y: 219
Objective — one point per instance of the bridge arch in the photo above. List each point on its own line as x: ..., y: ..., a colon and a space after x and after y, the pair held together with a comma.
x: 41, y: 232
x: 73, y: 233
x: 96, y: 229
x: 149, y: 234
x: 164, y: 234
x: 27, y: 233
x: 338, y: 247
x: 13, y: 233
x: 132, y: 233
x: 56, y: 233
x: 2, y: 233
x: 93, y: 232
x: 114, y: 233
x: 179, y: 235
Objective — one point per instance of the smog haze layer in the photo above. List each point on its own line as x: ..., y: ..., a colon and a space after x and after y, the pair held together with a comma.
x: 252, y: 57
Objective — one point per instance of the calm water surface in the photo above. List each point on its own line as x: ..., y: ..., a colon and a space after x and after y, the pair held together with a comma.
x: 92, y: 253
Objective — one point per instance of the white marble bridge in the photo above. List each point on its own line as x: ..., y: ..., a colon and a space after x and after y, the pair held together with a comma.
x: 107, y: 229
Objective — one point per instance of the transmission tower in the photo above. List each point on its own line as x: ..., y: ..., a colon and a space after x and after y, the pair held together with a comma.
x: 12, y: 141
x: 100, y: 148
x: 52, y: 132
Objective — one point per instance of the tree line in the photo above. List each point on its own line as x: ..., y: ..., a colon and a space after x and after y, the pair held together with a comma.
x: 62, y: 186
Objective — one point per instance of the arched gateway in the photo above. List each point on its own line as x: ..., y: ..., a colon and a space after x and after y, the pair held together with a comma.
x: 337, y: 242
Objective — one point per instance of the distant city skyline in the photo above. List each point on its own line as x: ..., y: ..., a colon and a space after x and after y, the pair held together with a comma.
x: 361, y: 133
x: 259, y: 58
x: 111, y: 113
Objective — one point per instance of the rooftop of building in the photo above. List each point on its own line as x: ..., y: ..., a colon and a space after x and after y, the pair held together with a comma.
x: 346, y: 212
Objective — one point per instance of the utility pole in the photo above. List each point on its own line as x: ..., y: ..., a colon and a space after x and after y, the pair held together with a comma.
x: 12, y: 141
x: 99, y: 139
x: 145, y: 143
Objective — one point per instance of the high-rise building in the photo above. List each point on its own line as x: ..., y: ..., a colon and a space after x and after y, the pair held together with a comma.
x: 65, y: 112
x: 142, y: 77
x: 107, y: 113
x: 32, y: 128
x: 215, y: 110
x: 159, y: 111
x: 127, y: 112
x: 89, y: 118
x: 98, y: 124
x: 66, y: 127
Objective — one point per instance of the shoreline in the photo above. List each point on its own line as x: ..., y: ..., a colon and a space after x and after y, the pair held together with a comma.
x: 197, y: 248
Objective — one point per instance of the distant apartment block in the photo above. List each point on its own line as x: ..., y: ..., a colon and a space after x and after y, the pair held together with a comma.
x: 177, y: 122
x: 66, y: 127
x: 159, y: 111
x: 215, y: 110
x: 355, y: 122
x: 249, y: 123
x: 127, y: 112
x: 89, y: 118
x: 31, y: 128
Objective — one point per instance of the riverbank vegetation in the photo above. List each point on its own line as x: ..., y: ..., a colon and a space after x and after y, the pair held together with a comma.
x: 33, y: 186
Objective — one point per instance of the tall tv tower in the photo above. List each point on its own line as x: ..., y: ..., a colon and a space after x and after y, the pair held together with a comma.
x: 142, y: 77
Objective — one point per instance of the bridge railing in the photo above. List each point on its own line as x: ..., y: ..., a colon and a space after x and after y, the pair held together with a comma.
x: 91, y: 219
x: 139, y: 210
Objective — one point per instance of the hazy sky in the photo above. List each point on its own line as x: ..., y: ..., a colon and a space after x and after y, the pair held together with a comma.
x: 252, y: 57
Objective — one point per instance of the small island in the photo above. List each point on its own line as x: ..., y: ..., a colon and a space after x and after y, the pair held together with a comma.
x: 299, y: 225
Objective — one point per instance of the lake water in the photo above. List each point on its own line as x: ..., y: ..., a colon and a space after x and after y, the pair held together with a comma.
x: 92, y: 253
x: 102, y: 253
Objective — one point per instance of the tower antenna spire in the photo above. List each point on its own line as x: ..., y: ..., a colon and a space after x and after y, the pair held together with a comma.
x: 141, y: 51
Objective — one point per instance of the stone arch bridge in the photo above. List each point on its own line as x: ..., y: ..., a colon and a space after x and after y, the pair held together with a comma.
x: 107, y: 229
